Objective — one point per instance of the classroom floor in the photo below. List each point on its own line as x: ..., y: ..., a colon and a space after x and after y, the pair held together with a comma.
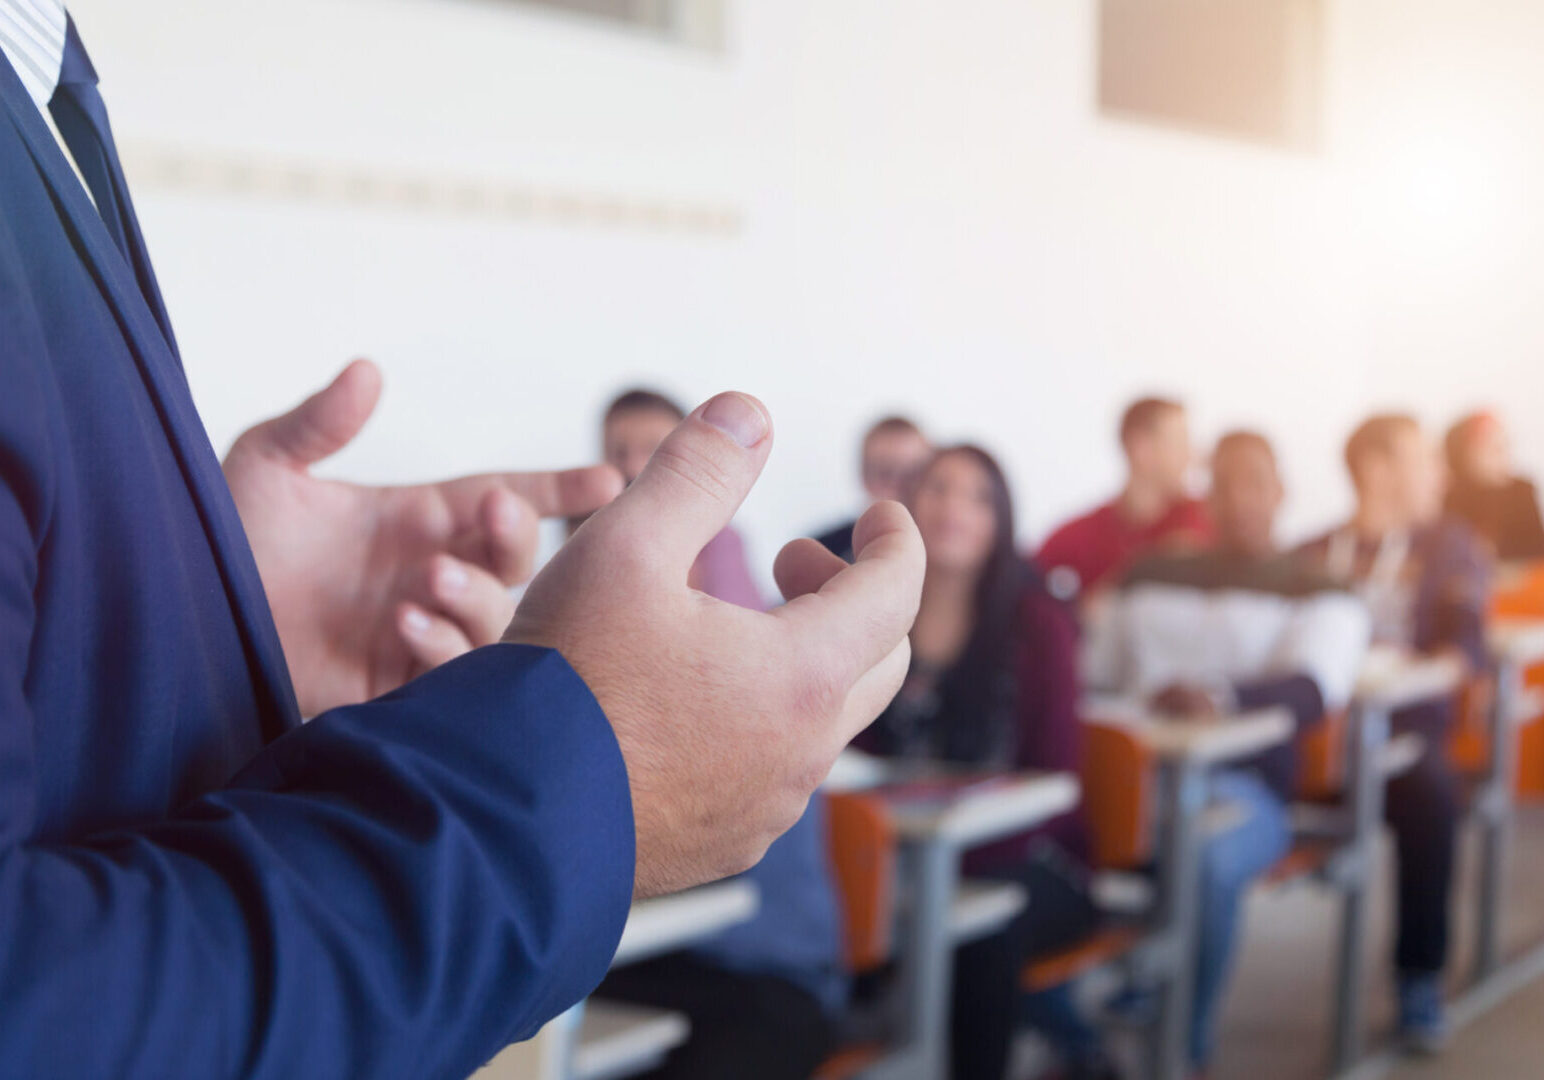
x: 1275, y: 1025
x: 1504, y: 1044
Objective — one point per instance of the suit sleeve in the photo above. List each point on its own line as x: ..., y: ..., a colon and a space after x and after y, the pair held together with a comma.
x: 397, y: 889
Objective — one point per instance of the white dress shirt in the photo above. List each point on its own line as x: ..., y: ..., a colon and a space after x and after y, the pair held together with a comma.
x: 32, y: 39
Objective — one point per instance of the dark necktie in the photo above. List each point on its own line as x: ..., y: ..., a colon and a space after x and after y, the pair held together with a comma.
x: 81, y: 115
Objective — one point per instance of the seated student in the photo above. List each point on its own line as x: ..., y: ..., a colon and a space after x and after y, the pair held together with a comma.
x: 994, y: 683
x: 633, y: 427
x: 893, y: 450
x: 1237, y: 626
x: 1484, y: 492
x: 1426, y: 582
x: 1153, y: 510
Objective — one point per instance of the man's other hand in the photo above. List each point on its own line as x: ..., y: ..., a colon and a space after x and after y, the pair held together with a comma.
x: 371, y: 586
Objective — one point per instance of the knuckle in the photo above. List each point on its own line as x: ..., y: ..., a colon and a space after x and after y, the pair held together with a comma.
x: 698, y: 470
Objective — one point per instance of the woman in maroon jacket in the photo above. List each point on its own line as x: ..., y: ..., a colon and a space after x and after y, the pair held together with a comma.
x: 994, y: 685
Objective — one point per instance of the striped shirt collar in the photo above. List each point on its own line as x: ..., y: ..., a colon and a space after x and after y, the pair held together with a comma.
x: 32, y: 38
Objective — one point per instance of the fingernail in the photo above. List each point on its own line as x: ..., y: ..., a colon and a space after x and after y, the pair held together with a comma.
x: 415, y: 621
x: 452, y: 577
x: 738, y: 417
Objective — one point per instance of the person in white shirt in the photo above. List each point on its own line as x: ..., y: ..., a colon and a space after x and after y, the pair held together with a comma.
x: 1201, y: 635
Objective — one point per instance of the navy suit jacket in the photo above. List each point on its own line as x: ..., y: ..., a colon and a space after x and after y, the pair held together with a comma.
x: 191, y: 882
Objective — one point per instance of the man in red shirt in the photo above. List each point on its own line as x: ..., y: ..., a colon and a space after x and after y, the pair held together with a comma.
x: 1154, y: 509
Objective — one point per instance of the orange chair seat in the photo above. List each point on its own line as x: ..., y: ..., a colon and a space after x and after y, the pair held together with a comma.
x: 1524, y: 598
x: 1322, y: 759
x: 1062, y: 966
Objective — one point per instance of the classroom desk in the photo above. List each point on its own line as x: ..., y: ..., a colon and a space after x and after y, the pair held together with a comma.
x: 1516, y: 644
x: 1186, y: 753
x: 1390, y: 680
x: 1394, y: 678
x: 933, y: 833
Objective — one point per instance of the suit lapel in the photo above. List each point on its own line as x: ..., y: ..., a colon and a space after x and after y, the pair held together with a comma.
x: 164, y: 381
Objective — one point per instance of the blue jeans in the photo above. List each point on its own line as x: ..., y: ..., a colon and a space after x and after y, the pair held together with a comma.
x: 1230, y: 862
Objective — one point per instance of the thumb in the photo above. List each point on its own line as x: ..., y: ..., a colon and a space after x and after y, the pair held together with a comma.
x: 694, y: 483
x: 322, y: 424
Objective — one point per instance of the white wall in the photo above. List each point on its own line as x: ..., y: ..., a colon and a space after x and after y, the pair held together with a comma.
x: 931, y: 217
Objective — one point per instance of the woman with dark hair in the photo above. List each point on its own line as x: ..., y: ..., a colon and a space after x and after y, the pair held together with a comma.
x: 1483, y: 491
x: 993, y: 684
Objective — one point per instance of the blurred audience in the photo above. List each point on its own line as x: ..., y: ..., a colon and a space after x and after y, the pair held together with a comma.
x: 994, y: 685
x: 1153, y: 510
x: 1425, y: 580
x: 1192, y: 607
x: 1502, y: 507
x: 1237, y: 626
x: 633, y: 427
x: 894, y: 448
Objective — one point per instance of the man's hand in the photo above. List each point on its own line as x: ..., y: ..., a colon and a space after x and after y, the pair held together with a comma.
x: 1184, y: 702
x: 727, y: 718
x: 371, y: 586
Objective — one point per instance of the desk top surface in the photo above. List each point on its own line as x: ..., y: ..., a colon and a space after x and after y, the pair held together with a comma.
x: 965, y: 810
x: 1209, y: 742
x: 1517, y: 640
x: 1392, y: 678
